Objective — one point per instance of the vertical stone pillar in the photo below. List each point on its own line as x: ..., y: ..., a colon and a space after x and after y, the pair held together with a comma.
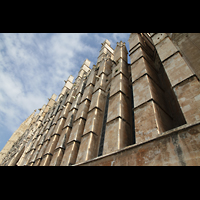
x: 40, y: 137
x: 67, y: 87
x: 85, y: 66
x: 84, y: 70
x: 48, y: 131
x: 150, y: 111
x: 53, y: 136
x: 66, y: 130
x: 118, y: 132
x: 42, y: 113
x: 29, y: 149
x: 35, y: 160
x: 90, y: 138
x: 70, y: 152
x: 37, y: 146
x: 61, y: 152
x: 184, y: 82
x: 74, y: 140
x: 33, y: 148
x: 51, y: 101
x: 105, y: 49
x: 46, y: 128
x: 15, y: 136
x: 60, y: 113
x: 50, y: 114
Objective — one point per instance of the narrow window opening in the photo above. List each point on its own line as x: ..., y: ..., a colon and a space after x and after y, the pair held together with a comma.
x: 133, y: 119
x: 104, y: 126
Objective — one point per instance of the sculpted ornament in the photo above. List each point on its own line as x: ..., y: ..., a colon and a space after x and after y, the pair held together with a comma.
x: 121, y: 44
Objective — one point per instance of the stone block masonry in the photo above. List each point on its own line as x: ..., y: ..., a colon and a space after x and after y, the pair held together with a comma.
x: 116, y: 113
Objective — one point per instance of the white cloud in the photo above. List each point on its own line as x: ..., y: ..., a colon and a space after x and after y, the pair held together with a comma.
x: 34, y: 66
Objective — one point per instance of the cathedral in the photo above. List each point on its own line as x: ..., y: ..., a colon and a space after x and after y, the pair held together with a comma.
x: 115, y: 113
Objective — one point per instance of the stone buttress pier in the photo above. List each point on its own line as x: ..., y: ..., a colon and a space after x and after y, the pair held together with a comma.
x: 72, y: 106
x: 184, y: 81
x: 118, y: 132
x: 117, y: 113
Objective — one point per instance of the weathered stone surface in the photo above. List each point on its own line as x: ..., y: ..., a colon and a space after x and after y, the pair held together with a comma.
x: 26, y: 158
x: 77, y: 130
x: 81, y: 87
x: 120, y: 83
x: 59, y: 126
x: 177, y: 147
x: 117, y: 136
x: 106, y: 49
x: 64, y: 136
x: 83, y: 110
x: 65, y: 111
x: 149, y: 121
x: 177, y: 69
x: 87, y: 93
x: 145, y: 89
x: 76, y: 101
x: 141, y: 39
x: 70, y: 119
x: 94, y: 121
x: 51, y: 145
x: 188, y: 44
x: 140, y: 52
x: 146, y: 126
x: 81, y: 72
x: 188, y: 93
x: 56, y: 117
x: 165, y: 48
x: 91, y: 79
x: 120, y: 52
x: 121, y: 67
x: 43, y: 148
x: 141, y: 67
x: 46, y: 160
x: 50, y: 132
x: 101, y: 83
x: 57, y: 157
x: 65, y: 89
x: 116, y: 104
x: 33, y: 157
x: 98, y: 100
x: 105, y: 67
x: 70, y: 154
x: 158, y: 37
x: 37, y: 162
x: 118, y: 107
x: 49, y: 123
x: 36, y: 142
x: 70, y: 97
x: 88, y: 147
x: 68, y: 84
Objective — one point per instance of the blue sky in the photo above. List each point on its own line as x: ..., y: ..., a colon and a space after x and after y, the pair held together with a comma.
x: 33, y: 66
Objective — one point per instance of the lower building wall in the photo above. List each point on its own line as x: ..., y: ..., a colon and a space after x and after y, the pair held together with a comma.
x: 188, y: 44
x: 177, y: 147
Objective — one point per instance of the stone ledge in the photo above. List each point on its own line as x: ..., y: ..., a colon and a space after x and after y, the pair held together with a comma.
x: 134, y: 146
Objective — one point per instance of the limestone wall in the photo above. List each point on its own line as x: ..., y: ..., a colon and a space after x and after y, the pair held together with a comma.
x: 146, y: 112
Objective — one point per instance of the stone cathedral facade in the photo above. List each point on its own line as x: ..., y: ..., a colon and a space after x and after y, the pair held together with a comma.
x: 116, y: 113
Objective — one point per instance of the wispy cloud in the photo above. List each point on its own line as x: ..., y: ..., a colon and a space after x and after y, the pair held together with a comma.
x: 34, y: 66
